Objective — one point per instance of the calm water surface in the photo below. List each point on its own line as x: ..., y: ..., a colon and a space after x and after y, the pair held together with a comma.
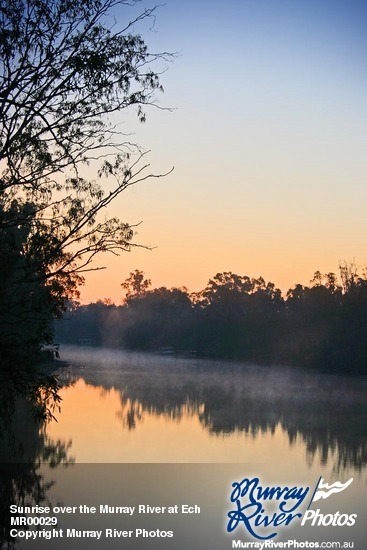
x: 127, y: 407
x: 139, y: 428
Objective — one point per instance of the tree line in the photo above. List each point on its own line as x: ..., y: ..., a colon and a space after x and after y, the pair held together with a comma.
x: 322, y: 325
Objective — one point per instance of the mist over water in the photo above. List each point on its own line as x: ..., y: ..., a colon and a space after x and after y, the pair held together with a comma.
x: 211, y: 411
x: 128, y: 414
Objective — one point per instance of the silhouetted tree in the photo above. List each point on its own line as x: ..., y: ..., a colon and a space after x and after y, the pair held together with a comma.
x: 135, y: 285
x: 350, y: 350
x: 237, y: 316
x: 157, y: 318
x: 64, y: 72
x: 322, y: 325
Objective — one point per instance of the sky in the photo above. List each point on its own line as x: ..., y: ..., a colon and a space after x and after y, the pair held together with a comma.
x: 267, y: 136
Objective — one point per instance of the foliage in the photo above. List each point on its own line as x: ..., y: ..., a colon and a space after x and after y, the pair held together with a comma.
x: 66, y: 68
x: 135, y: 285
x: 238, y: 317
x: 158, y: 318
x: 63, y: 70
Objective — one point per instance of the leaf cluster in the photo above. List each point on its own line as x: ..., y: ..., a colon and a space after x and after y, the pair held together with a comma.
x: 63, y: 72
x: 67, y: 68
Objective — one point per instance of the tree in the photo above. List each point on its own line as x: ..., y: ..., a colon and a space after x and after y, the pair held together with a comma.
x: 236, y: 316
x: 64, y: 72
x: 158, y: 318
x: 135, y: 285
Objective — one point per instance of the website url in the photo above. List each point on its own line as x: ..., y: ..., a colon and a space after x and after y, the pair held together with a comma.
x: 291, y: 544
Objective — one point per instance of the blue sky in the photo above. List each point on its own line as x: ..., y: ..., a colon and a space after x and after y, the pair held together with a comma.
x: 267, y: 137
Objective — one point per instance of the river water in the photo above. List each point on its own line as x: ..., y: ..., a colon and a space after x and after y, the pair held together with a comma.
x: 140, y: 428
x: 129, y: 407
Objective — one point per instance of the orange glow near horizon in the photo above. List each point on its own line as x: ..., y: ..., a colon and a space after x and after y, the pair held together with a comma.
x: 268, y: 152
x: 290, y: 267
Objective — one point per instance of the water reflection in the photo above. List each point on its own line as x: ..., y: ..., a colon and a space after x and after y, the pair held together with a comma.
x: 327, y: 414
x: 284, y: 424
x: 24, y: 449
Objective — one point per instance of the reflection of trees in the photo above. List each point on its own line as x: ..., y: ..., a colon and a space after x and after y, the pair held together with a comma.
x: 328, y: 413
x: 331, y: 433
x: 24, y: 447
x: 336, y: 434
x: 131, y: 413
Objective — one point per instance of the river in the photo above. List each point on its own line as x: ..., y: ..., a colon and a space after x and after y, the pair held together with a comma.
x: 158, y: 430
x: 129, y: 407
